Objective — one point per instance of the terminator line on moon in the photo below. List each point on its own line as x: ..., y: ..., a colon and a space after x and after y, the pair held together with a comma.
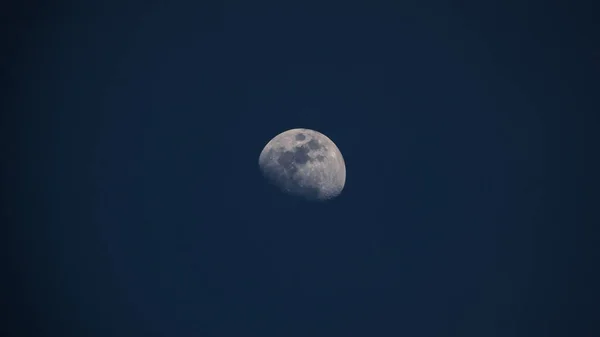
x: 304, y: 163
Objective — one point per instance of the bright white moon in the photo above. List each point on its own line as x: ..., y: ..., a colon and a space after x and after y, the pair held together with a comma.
x: 304, y: 163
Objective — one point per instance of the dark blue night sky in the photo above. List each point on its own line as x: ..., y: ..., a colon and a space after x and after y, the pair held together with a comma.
x: 136, y: 207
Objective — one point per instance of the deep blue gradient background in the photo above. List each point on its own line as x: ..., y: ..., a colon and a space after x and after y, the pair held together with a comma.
x: 135, y: 206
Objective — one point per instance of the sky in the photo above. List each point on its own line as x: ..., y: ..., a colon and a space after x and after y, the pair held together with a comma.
x: 135, y: 205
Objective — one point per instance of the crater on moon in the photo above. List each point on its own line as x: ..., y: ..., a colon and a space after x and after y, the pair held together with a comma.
x: 290, y: 160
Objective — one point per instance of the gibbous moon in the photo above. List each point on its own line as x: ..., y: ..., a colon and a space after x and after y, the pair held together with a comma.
x: 304, y: 163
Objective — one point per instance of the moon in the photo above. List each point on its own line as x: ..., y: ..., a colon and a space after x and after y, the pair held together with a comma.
x: 304, y: 163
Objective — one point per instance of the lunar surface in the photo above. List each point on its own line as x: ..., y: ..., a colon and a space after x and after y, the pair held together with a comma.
x: 304, y: 163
